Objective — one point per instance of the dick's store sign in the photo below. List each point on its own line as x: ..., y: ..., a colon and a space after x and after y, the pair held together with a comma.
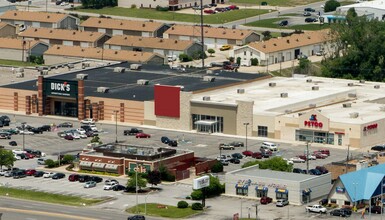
x: 64, y: 88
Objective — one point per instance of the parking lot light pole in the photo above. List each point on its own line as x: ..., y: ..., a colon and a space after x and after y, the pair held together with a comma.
x: 116, y: 125
x: 307, y: 157
x: 246, y: 124
x: 23, y: 127
x: 136, y: 185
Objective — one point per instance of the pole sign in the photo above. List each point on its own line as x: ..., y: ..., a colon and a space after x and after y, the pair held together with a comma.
x: 201, y: 182
x: 58, y: 87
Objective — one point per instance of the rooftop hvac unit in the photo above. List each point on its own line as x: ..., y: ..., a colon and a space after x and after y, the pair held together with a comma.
x: 300, y: 113
x: 81, y: 76
x: 142, y: 82
x: 208, y: 79
x: 86, y: 64
x: 19, y: 75
x: 44, y: 72
x: 135, y: 66
x: 347, y: 105
x: 102, y: 89
x: 71, y: 66
x: 287, y: 111
x: 272, y: 84
x: 284, y: 95
x: 240, y: 91
x: 309, y: 80
x: 312, y: 105
x: 315, y: 88
x: 119, y: 69
x: 354, y: 115
x: 382, y: 108
x: 350, y: 84
x: 376, y: 86
x: 19, y: 70
x: 362, y: 81
x: 206, y: 98
x: 352, y: 95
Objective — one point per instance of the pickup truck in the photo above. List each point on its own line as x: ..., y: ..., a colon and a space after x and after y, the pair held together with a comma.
x: 132, y: 131
x: 316, y: 208
x: 223, y: 146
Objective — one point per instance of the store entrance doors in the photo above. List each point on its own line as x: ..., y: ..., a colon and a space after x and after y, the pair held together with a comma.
x: 66, y: 108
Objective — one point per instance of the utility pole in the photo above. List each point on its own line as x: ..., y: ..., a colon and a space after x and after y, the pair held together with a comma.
x: 307, y: 157
x: 202, y: 36
x: 246, y: 124
x: 347, y: 160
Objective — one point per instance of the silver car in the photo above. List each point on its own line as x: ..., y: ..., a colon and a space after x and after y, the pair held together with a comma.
x: 90, y: 184
x: 282, y: 202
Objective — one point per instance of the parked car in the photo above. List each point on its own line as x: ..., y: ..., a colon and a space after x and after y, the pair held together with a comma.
x: 220, y: 9
x: 225, y: 47
x: 324, y: 151
x: 41, y: 161
x: 57, y: 176
x: 310, y: 20
x: 224, y: 162
x: 90, y: 184
x: 136, y: 217
x: 30, y: 172
x: 234, y: 161
x: 306, y: 13
x: 26, y: 132
x: 165, y: 140
x: 223, y: 146
x: 257, y: 155
x: 282, y: 202
x: 297, y: 160
x: 45, y: 127
x: 213, y: 5
x: 173, y: 143
x: 65, y: 125
x: 266, y: 200
x: 378, y: 148
x: 38, y: 174
x: 209, y: 11
x: 322, y: 169
x: 109, y: 185
x: 247, y: 153
x: 237, y: 156
x: 118, y: 187
x: 73, y: 177
x: 284, y: 23
x: 132, y: 131
x: 237, y: 144
x: 83, y: 178
x: 319, y: 155
x: 309, y: 9
x: 69, y: 137
x: 13, y: 143
x: 110, y: 181
x: 323, y: 201
x: 304, y: 157
x: 19, y: 174
x: 142, y: 135
x: 96, y: 179
x: 48, y: 174
x: 315, y: 172
x: 266, y: 153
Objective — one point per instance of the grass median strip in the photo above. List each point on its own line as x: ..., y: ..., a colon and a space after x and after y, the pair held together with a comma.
x: 165, y: 211
x: 273, y: 23
x: 219, y: 18
x: 47, y: 197
x: 16, y: 63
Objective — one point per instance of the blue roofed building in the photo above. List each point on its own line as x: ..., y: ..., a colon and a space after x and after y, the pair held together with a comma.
x: 359, y: 187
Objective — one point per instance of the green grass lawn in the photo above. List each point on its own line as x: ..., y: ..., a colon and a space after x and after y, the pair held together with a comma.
x: 273, y: 23
x: 16, y: 63
x: 273, y: 2
x: 170, y: 212
x: 172, y: 16
x: 47, y: 197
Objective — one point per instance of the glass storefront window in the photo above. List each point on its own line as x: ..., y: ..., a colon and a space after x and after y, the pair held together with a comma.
x: 261, y: 193
x: 242, y: 191
x: 262, y: 131
x: 314, y: 136
x: 279, y: 195
x: 216, y: 127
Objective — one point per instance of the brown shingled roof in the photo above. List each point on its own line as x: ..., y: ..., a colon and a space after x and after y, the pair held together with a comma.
x: 61, y: 34
x: 116, y: 24
x: 293, y: 41
x: 13, y: 43
x: 150, y: 42
x: 96, y: 53
x: 33, y: 16
x: 209, y: 32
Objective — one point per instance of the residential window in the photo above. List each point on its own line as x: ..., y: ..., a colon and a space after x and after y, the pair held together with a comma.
x: 347, y: 203
x: 333, y: 201
x: 251, y: 54
x: 262, y: 131
x: 244, y: 53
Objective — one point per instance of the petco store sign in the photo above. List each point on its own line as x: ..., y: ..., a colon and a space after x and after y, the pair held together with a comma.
x: 313, y: 122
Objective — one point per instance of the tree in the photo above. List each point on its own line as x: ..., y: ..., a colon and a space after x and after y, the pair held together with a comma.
x: 275, y: 163
x: 214, y: 189
x: 211, y: 52
x: 6, y: 158
x: 304, y: 66
x: 67, y: 159
x: 131, y: 183
x: 266, y: 35
x: 154, y: 177
x: 331, y: 5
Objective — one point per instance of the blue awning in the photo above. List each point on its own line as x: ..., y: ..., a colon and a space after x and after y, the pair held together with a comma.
x: 263, y: 188
x: 278, y: 190
x: 241, y: 185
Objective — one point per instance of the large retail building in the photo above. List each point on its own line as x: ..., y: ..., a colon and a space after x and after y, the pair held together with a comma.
x: 333, y: 112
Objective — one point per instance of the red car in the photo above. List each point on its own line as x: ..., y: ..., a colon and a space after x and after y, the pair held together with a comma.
x: 29, y: 155
x: 209, y: 11
x: 69, y: 137
x: 233, y: 7
x: 247, y: 153
x: 142, y: 135
x: 257, y: 155
x: 73, y: 177
x: 266, y: 200
x: 323, y: 151
x: 30, y: 172
x: 319, y: 155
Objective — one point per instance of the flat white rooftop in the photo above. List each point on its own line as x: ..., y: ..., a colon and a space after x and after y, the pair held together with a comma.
x: 377, y: 4
x: 325, y: 94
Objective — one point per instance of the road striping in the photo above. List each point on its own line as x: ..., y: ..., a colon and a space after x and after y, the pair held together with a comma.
x: 44, y: 213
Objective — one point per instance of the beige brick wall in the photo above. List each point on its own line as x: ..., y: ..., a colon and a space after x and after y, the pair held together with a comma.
x: 244, y: 115
x: 7, y: 102
x: 184, y: 121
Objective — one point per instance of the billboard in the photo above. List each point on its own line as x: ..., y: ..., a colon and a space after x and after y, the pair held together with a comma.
x: 167, y: 101
x: 59, y: 87
x: 201, y: 182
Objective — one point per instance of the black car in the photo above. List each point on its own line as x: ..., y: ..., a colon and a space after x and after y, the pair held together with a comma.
x: 306, y: 13
x: 347, y: 210
x: 339, y: 212
x: 297, y: 170
x: 118, y: 187
x: 315, y: 172
x: 91, y: 134
x: 36, y: 130
x: 213, y: 5
x: 309, y: 9
x: 173, y: 143
x: 310, y: 20
x: 234, y: 161
x: 57, y: 176
x: 38, y: 174
x: 284, y: 23
x: 65, y: 125
x: 45, y: 128
x: 19, y: 174
x: 237, y: 155
x: 5, y: 119
x: 165, y: 140
x: 96, y: 179
x: 13, y: 143
x: 378, y: 148
x: 237, y: 144
x: 84, y: 178
x: 58, y: 2
x: 136, y: 217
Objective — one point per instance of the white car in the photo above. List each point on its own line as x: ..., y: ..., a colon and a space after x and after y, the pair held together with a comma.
x: 297, y: 160
x: 94, y: 128
x: 109, y: 185
x: 17, y: 157
x: 18, y: 151
x: 88, y: 121
x: 48, y: 174
x: 81, y: 131
x: 289, y: 162
x: 26, y: 132
x: 3, y: 172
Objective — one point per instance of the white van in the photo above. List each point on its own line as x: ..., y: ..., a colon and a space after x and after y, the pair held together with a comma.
x: 269, y: 146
